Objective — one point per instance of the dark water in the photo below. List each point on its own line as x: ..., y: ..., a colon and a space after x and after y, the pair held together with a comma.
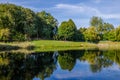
x: 61, y: 65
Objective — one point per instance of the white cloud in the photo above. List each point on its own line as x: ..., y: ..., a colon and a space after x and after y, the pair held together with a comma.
x: 79, y: 11
x: 82, y: 13
x: 73, y: 74
x: 74, y: 10
x: 67, y: 6
x: 110, y: 16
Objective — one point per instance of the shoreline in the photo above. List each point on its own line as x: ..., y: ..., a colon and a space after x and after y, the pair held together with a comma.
x: 53, y: 45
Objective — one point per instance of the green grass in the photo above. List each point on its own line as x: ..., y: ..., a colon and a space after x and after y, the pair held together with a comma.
x: 52, y: 45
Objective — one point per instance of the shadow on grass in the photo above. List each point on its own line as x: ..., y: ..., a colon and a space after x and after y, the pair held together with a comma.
x: 31, y: 47
x: 8, y: 47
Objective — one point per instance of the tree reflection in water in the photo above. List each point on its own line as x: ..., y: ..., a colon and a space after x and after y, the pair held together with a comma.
x: 26, y: 66
x: 19, y: 66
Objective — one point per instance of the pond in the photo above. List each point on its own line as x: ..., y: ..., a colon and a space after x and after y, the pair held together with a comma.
x: 61, y: 65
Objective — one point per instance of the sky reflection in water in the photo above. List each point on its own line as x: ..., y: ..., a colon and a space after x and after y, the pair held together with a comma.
x: 61, y: 65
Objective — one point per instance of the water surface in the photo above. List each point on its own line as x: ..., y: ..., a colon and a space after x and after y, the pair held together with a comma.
x: 61, y: 65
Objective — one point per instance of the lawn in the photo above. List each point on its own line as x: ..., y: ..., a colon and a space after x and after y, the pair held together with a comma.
x: 52, y: 45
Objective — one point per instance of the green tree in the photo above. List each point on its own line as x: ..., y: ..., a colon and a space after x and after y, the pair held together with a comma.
x: 67, y: 30
x: 80, y: 34
x: 38, y: 27
x: 108, y: 32
x: 117, y: 34
x: 98, y: 23
x: 18, y: 20
x: 29, y: 27
x: 91, y: 35
x: 107, y: 27
x: 110, y: 35
x: 4, y: 34
x: 49, y: 24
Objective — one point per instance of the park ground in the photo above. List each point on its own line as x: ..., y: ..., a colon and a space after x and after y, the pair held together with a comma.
x: 53, y: 45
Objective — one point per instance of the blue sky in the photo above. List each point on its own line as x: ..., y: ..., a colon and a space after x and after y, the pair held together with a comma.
x: 79, y: 10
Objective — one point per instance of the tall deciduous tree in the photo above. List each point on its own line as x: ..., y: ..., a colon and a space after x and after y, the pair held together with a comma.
x: 67, y: 30
x: 19, y: 21
x: 49, y: 24
x: 98, y: 23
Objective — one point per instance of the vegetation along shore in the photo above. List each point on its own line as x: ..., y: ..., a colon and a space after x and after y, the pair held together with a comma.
x: 53, y: 45
x: 22, y: 28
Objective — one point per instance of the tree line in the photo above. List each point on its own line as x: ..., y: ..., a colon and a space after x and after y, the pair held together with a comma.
x: 20, y: 24
x: 98, y: 31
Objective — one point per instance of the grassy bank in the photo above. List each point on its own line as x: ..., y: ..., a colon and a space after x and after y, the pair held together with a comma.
x: 108, y: 45
x: 16, y: 47
x: 52, y: 45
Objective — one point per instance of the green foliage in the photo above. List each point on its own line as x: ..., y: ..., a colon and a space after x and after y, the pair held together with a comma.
x: 97, y: 22
x: 109, y: 35
x: 17, y: 19
x: 24, y: 23
x: 67, y: 30
x: 19, y: 37
x: 107, y: 27
x: 49, y: 25
x: 108, y: 32
x: 66, y: 61
x: 80, y: 34
x: 4, y: 34
x: 19, y: 23
x: 118, y: 33
x: 104, y: 29
x: 91, y: 35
